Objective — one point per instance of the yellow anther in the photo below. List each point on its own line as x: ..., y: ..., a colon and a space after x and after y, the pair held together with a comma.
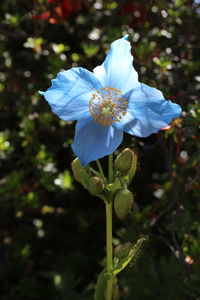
x: 107, y: 106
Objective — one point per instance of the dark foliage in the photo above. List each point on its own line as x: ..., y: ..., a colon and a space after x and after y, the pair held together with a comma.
x: 51, y: 230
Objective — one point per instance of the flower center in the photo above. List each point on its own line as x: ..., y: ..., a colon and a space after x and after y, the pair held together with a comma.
x: 107, y: 106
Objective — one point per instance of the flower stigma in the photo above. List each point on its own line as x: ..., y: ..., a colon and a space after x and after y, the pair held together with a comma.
x: 108, y: 106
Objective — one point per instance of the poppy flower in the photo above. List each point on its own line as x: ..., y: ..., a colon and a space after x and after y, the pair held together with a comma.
x: 108, y: 102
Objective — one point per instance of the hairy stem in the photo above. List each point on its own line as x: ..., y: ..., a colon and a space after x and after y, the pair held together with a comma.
x: 109, y: 246
x: 109, y: 249
x: 100, y: 168
x: 110, y: 169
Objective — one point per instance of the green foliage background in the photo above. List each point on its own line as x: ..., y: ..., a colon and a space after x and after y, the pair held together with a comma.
x: 52, y: 232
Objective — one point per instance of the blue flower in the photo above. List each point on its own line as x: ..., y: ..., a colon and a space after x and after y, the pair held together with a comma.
x: 107, y: 102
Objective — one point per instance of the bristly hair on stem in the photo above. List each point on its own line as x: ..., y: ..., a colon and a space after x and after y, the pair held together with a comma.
x: 100, y: 168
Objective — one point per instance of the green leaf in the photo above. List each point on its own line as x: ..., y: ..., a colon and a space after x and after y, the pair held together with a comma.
x: 101, y: 286
x: 100, y: 289
x: 132, y: 256
x: 90, y: 49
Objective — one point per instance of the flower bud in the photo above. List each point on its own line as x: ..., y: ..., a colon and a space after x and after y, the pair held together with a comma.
x: 96, y: 185
x: 122, y: 203
x: 133, y: 167
x: 123, y: 250
x: 123, y: 161
x: 128, y: 178
x: 76, y: 169
x: 81, y: 174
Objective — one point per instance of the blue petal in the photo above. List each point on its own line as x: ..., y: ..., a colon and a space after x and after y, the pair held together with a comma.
x: 117, y: 70
x: 70, y: 93
x: 93, y: 140
x: 147, y: 112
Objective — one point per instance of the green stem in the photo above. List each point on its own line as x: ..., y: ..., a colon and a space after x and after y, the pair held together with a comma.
x: 109, y: 246
x: 100, y: 168
x: 109, y: 249
x: 110, y: 169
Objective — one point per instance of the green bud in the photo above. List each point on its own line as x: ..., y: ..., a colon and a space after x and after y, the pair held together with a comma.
x: 76, y: 169
x: 133, y: 167
x: 81, y: 174
x: 123, y: 250
x: 128, y: 178
x: 96, y: 185
x: 122, y: 203
x: 123, y: 161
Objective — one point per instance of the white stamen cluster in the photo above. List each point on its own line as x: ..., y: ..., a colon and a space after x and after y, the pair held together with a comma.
x: 108, y: 106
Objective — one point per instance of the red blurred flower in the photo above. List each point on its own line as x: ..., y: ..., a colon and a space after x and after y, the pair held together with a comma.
x: 62, y: 9
x: 138, y: 11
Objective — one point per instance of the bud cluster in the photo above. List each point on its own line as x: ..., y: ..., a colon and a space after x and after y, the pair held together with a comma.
x: 94, y: 184
x: 124, y: 169
x: 112, y: 191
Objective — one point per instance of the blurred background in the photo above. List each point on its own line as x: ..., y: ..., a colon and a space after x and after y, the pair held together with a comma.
x: 52, y: 232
